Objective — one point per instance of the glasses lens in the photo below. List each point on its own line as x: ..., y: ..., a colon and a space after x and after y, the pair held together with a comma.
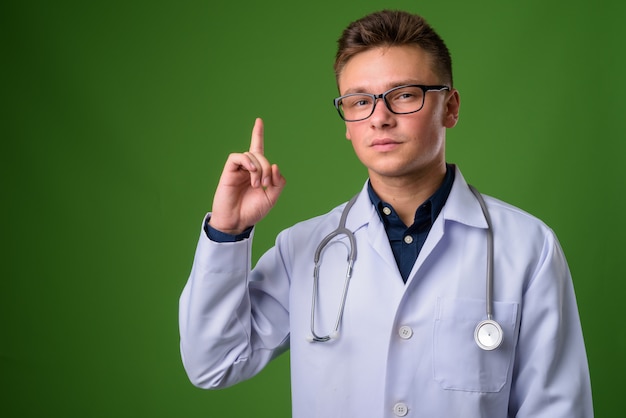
x: 356, y: 106
x: 406, y: 99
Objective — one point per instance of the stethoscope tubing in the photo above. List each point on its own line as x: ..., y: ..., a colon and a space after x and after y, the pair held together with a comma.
x: 317, y: 258
x: 490, y: 250
x: 487, y: 334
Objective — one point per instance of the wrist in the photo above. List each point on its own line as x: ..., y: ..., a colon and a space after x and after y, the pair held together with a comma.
x: 223, y: 230
x: 218, y: 235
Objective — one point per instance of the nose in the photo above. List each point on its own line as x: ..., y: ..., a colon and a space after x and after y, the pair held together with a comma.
x: 382, y: 116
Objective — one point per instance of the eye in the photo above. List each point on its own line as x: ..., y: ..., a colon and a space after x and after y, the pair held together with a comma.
x: 353, y: 102
x: 405, y: 95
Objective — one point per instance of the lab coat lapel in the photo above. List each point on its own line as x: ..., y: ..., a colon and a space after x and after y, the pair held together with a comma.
x: 461, y: 206
x: 363, y: 214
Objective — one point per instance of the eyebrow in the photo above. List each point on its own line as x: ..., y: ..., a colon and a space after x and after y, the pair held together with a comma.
x: 389, y: 86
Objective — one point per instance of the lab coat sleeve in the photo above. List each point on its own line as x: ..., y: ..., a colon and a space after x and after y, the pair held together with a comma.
x: 232, y: 320
x: 551, y: 376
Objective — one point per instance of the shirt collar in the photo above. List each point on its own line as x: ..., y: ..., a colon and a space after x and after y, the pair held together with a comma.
x: 436, y: 201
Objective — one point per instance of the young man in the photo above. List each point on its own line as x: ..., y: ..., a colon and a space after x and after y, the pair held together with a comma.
x: 399, y: 336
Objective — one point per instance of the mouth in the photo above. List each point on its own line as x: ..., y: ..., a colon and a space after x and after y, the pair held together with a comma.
x: 384, y: 144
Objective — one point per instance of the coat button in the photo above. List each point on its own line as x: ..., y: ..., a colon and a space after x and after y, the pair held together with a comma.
x: 405, y: 332
x: 400, y: 409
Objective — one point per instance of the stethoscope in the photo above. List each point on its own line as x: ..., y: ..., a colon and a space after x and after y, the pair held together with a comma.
x: 487, y: 334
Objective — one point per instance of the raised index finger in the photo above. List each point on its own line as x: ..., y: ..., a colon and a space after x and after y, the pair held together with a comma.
x: 256, y: 143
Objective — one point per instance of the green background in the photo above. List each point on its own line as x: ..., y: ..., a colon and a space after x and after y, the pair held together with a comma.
x: 117, y: 118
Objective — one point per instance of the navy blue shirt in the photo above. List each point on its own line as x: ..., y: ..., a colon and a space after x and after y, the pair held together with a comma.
x: 407, y: 242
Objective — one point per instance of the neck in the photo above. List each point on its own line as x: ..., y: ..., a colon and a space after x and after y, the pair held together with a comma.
x: 406, y: 194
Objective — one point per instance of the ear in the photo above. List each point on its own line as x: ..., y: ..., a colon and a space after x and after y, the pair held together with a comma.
x: 452, y: 109
x: 348, y: 136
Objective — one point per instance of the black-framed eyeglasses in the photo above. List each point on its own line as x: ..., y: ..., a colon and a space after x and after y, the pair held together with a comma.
x: 400, y: 100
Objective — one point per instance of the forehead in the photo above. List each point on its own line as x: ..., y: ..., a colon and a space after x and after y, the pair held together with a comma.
x: 381, y: 68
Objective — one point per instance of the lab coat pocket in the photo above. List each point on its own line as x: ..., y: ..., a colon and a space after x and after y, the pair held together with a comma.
x: 458, y: 362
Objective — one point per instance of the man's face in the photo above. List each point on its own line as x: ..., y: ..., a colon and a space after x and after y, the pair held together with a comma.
x: 409, y: 146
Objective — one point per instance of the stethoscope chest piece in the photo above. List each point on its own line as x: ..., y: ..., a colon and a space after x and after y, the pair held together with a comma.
x: 488, y: 334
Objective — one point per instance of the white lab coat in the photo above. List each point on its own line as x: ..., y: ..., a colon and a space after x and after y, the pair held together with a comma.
x: 404, y: 349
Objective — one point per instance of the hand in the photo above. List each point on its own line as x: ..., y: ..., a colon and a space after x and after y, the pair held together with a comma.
x: 248, y: 188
